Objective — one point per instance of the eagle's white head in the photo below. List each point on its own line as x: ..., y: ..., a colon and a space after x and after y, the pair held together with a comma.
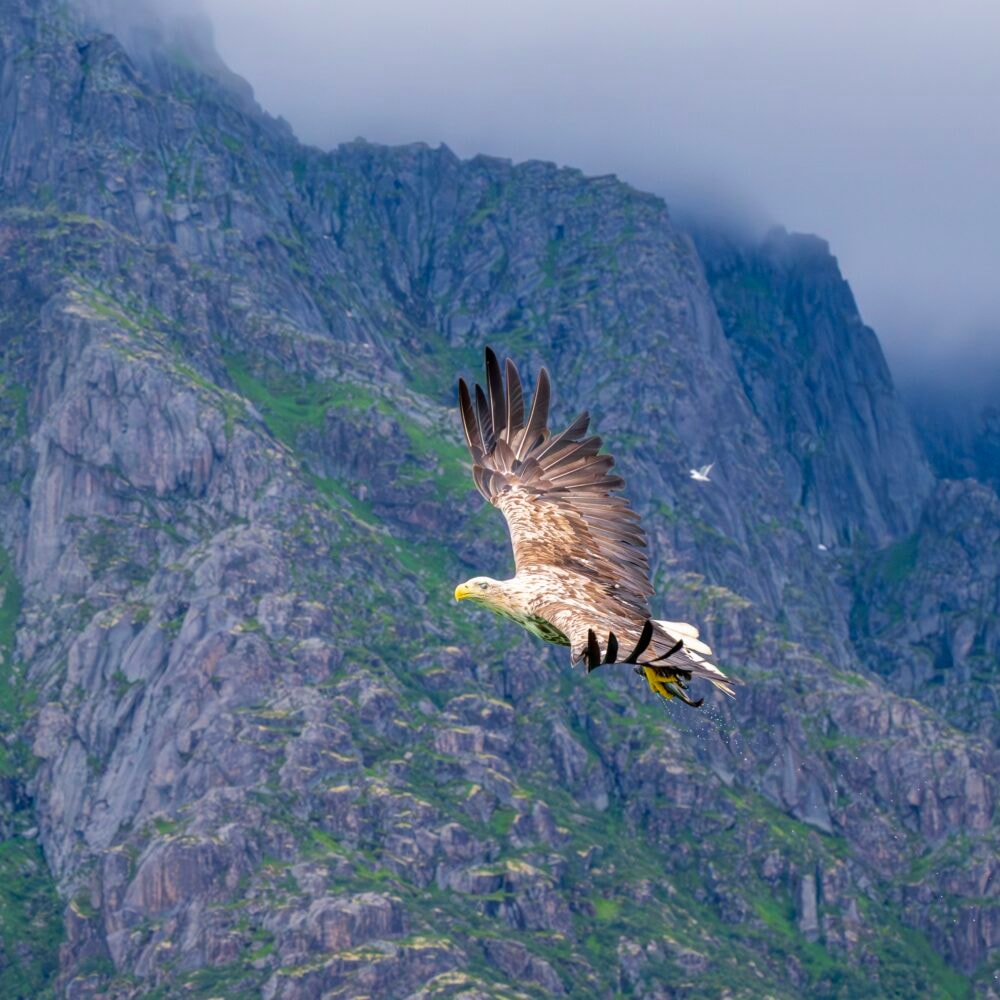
x: 502, y: 597
x: 480, y: 589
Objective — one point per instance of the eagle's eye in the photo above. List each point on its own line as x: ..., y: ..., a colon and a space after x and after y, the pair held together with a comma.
x: 484, y: 586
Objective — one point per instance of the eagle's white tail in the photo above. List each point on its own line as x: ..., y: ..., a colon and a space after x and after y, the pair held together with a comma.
x: 694, y: 647
x: 689, y: 634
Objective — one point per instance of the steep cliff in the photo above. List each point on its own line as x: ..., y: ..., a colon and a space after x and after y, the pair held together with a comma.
x: 927, y: 617
x: 269, y: 757
x: 817, y: 379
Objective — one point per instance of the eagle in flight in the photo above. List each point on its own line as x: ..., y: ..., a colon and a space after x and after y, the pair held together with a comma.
x: 582, y: 576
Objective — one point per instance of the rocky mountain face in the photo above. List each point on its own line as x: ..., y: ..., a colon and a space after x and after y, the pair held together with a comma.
x: 961, y: 435
x: 927, y: 615
x: 251, y: 746
x: 816, y: 378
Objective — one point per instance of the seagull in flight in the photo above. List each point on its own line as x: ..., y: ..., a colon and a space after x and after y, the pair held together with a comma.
x: 701, y: 475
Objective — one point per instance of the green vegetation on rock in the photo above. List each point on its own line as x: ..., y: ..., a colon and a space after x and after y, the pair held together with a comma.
x: 31, y: 927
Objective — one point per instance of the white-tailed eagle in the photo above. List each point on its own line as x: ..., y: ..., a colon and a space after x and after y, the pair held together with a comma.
x: 582, y: 576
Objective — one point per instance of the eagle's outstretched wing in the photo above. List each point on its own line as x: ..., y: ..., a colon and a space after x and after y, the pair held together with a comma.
x: 553, y: 489
x: 567, y: 531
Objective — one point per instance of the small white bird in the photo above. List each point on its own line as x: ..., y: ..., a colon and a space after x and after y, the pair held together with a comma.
x: 821, y: 547
x: 701, y: 475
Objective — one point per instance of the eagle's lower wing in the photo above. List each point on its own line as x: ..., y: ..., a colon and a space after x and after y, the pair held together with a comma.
x: 599, y: 632
x: 555, y: 491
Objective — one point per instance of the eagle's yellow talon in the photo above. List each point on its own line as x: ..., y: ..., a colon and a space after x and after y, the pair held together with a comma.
x: 658, y: 683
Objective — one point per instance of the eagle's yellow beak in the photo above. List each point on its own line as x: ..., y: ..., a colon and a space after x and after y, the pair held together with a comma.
x: 462, y: 591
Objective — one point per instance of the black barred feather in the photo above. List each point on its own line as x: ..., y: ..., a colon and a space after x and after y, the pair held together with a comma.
x: 594, y: 658
x: 642, y: 642
x: 612, y: 654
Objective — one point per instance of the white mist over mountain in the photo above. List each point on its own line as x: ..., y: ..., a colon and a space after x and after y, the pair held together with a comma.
x: 143, y: 23
x: 872, y: 125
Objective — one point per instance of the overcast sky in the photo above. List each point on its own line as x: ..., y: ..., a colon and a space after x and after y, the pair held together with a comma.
x: 873, y: 124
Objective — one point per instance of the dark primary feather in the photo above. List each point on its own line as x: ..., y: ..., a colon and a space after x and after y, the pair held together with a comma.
x: 498, y: 398
x: 485, y: 420
x: 469, y: 422
x: 515, y: 400
x: 538, y: 419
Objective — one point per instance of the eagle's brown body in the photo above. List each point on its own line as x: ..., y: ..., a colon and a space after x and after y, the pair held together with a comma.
x: 582, y: 574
